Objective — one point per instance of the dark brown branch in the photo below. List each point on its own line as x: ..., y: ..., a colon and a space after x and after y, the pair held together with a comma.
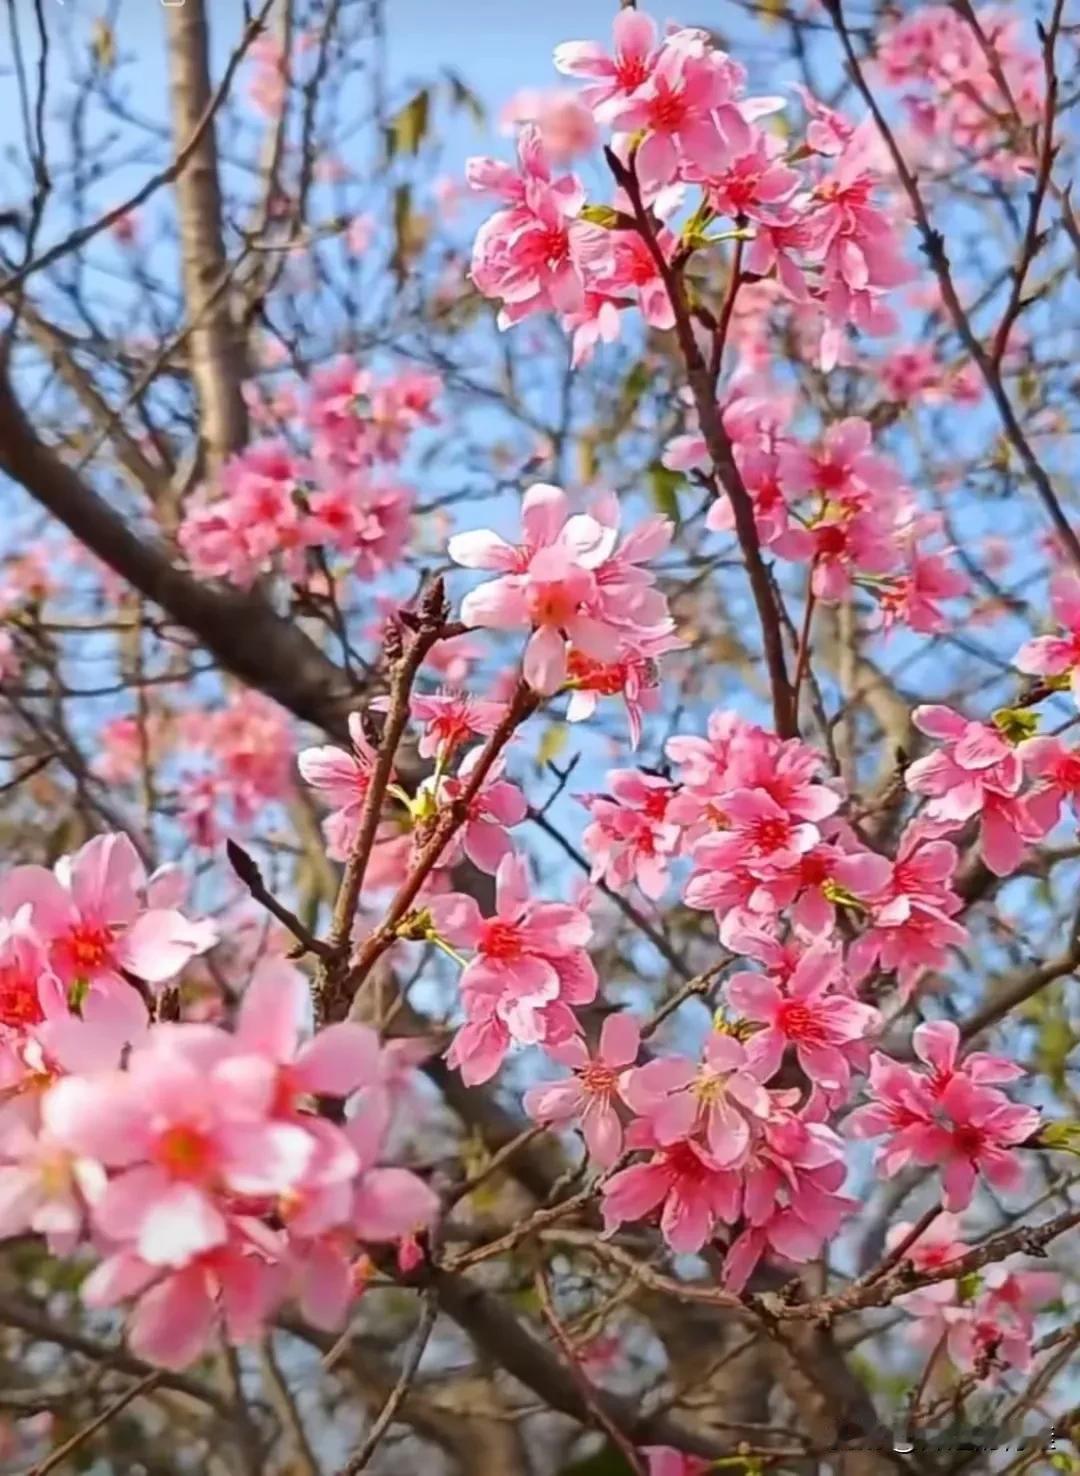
x: 239, y: 629
x: 703, y: 388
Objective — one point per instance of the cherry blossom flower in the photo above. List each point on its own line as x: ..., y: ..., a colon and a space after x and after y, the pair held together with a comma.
x: 536, y: 254
x: 451, y: 718
x: 950, y: 1116
x: 1057, y: 656
x: 95, y: 913
x: 692, y: 1191
x: 975, y: 771
x: 568, y: 582
x: 825, y: 1028
x: 344, y: 779
x: 566, y: 126
x: 629, y: 838
x: 497, y: 804
x: 591, y: 1093
x: 912, y: 919
x: 529, y: 970
x: 718, y: 1096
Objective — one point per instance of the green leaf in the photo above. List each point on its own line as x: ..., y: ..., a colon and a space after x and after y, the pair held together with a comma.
x: 664, y: 485
x: 408, y: 127
x: 601, y: 215
x: 632, y: 389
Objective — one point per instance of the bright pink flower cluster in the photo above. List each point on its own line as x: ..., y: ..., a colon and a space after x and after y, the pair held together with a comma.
x: 977, y: 771
x: 836, y: 505
x: 199, y: 1171
x: 83, y: 943
x: 681, y: 121
x: 580, y: 591
x: 274, y: 508
x: 344, y: 778
x: 529, y: 971
x: 950, y: 1116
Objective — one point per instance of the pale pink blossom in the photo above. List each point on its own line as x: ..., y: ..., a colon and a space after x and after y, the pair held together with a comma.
x: 591, y: 1093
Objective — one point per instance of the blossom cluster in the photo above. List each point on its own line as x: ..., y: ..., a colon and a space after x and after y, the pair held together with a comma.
x: 191, y: 1162
x: 235, y: 760
x: 762, y: 833
x: 837, y: 506
x: 693, y: 142
x: 274, y: 507
x: 974, y: 89
x: 986, y: 1320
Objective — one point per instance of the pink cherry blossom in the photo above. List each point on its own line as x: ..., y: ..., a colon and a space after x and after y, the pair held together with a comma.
x: 629, y: 838
x: 825, y: 1028
x: 343, y: 778
x: 529, y: 970
x: 498, y: 804
x: 1057, y: 656
x: 569, y: 582
x: 616, y: 76
x: 536, y: 254
x: 949, y: 1116
x: 451, y: 718
x: 566, y: 125
x: 720, y: 1096
x: 912, y: 919
x: 591, y: 1093
x: 975, y: 771
x: 693, y: 1193
x: 95, y: 913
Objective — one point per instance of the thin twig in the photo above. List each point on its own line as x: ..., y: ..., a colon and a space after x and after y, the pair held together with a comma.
x: 61, y: 1453
x: 398, y: 1393
x: 600, y: 1416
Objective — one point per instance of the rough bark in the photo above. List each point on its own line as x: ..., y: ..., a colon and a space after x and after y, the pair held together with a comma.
x: 218, y: 351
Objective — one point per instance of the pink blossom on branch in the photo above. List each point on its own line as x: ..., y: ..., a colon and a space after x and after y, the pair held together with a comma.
x: 529, y: 971
x: 950, y: 1115
x: 570, y: 581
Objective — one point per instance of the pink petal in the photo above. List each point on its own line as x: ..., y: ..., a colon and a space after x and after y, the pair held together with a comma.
x: 390, y: 1203
x: 173, y: 1321
x: 272, y: 1009
x: 340, y: 1059
x: 620, y: 1039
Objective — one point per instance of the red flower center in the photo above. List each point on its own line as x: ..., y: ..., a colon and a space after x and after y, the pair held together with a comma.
x: 19, y: 1003
x: 551, y: 604
x: 968, y: 1139
x: 684, y: 1163
x: 598, y: 1079
x: 502, y: 941
x: 832, y: 540
x: 631, y: 71
x: 771, y: 834
x: 798, y: 1021
x: 88, y: 946
x: 183, y: 1152
x: 667, y: 111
